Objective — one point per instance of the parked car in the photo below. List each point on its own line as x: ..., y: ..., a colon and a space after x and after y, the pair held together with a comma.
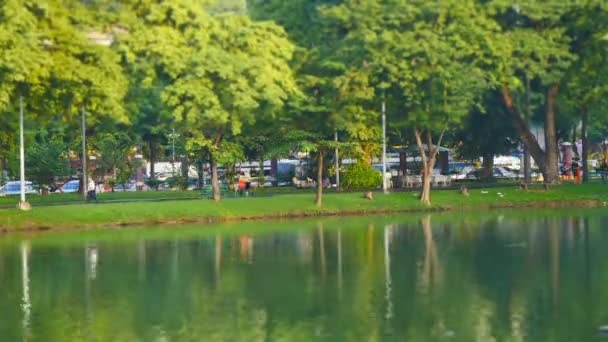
x: 173, y: 183
x: 125, y: 187
x: 498, y: 172
x: 162, y: 176
x: 463, y: 173
x: 457, y: 167
x: 14, y: 188
x: 69, y: 187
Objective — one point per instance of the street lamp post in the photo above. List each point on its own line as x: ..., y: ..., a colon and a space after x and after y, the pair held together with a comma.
x: 173, y: 136
x: 337, y: 161
x: 173, y: 145
x: 23, y: 204
x: 384, y: 185
x: 84, y: 154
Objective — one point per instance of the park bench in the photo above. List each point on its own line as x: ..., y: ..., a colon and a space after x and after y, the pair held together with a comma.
x: 413, y: 181
x: 441, y: 180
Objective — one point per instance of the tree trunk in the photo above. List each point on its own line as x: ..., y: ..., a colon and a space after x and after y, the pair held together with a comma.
x: 427, y: 177
x: 526, y: 136
x: 152, y: 159
x: 488, y: 166
x: 527, y: 167
x: 577, y: 153
x: 2, y: 163
x: 183, y: 173
x: 214, y: 179
x: 551, y: 173
x: 428, y: 163
x: 261, y: 178
x: 81, y: 187
x: 274, y: 171
x: 527, y: 162
x: 585, y: 151
x: 200, y: 171
x: 319, y: 199
x: 230, y: 174
x: 184, y: 167
x: 114, y: 172
x: 403, y: 163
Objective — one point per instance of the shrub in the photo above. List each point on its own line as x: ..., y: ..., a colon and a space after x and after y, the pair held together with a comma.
x: 361, y: 176
x: 153, y: 183
x: 111, y: 183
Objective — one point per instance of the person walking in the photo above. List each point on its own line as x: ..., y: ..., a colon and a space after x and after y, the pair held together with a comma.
x: 247, y: 180
x: 91, y: 190
x: 577, y: 172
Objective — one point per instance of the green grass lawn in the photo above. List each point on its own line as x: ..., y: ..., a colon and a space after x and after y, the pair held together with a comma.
x: 103, y: 197
x: 299, y: 204
x: 56, y: 198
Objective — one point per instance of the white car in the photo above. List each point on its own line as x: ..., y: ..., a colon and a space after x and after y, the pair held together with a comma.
x: 498, y: 172
x: 126, y: 187
x: 14, y: 188
x: 462, y: 174
x: 69, y: 187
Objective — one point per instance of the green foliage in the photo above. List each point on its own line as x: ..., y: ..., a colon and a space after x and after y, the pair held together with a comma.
x: 586, y: 82
x: 335, y: 93
x: 429, y: 55
x: 48, y: 55
x: 150, y: 118
x: 113, y: 152
x: 230, y: 153
x: 212, y: 97
x: 219, y: 73
x: 178, y: 182
x: 111, y: 182
x: 487, y: 131
x: 267, y: 78
x: 23, y: 59
x: 46, y: 158
x: 361, y: 176
x: 364, y: 142
x: 153, y: 183
x: 228, y: 6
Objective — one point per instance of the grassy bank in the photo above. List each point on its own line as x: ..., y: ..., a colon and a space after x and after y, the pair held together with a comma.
x: 51, y: 199
x: 8, y: 202
x: 290, y: 205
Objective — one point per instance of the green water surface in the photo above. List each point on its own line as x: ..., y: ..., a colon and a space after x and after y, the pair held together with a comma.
x: 510, y: 276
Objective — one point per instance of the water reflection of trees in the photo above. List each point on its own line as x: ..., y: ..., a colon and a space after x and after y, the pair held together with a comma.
x: 502, y: 279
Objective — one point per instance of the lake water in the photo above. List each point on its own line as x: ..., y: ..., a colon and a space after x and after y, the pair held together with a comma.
x: 510, y: 276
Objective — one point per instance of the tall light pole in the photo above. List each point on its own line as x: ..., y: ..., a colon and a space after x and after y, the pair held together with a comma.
x: 384, y: 185
x: 337, y: 161
x: 23, y: 204
x: 84, y: 154
x: 173, y: 145
x: 173, y: 136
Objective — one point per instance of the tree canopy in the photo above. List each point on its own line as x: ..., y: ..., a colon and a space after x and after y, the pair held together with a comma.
x: 263, y: 78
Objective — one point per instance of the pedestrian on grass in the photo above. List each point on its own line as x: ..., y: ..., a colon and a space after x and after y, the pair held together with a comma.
x: 241, y: 183
x: 91, y: 190
x: 577, y: 172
